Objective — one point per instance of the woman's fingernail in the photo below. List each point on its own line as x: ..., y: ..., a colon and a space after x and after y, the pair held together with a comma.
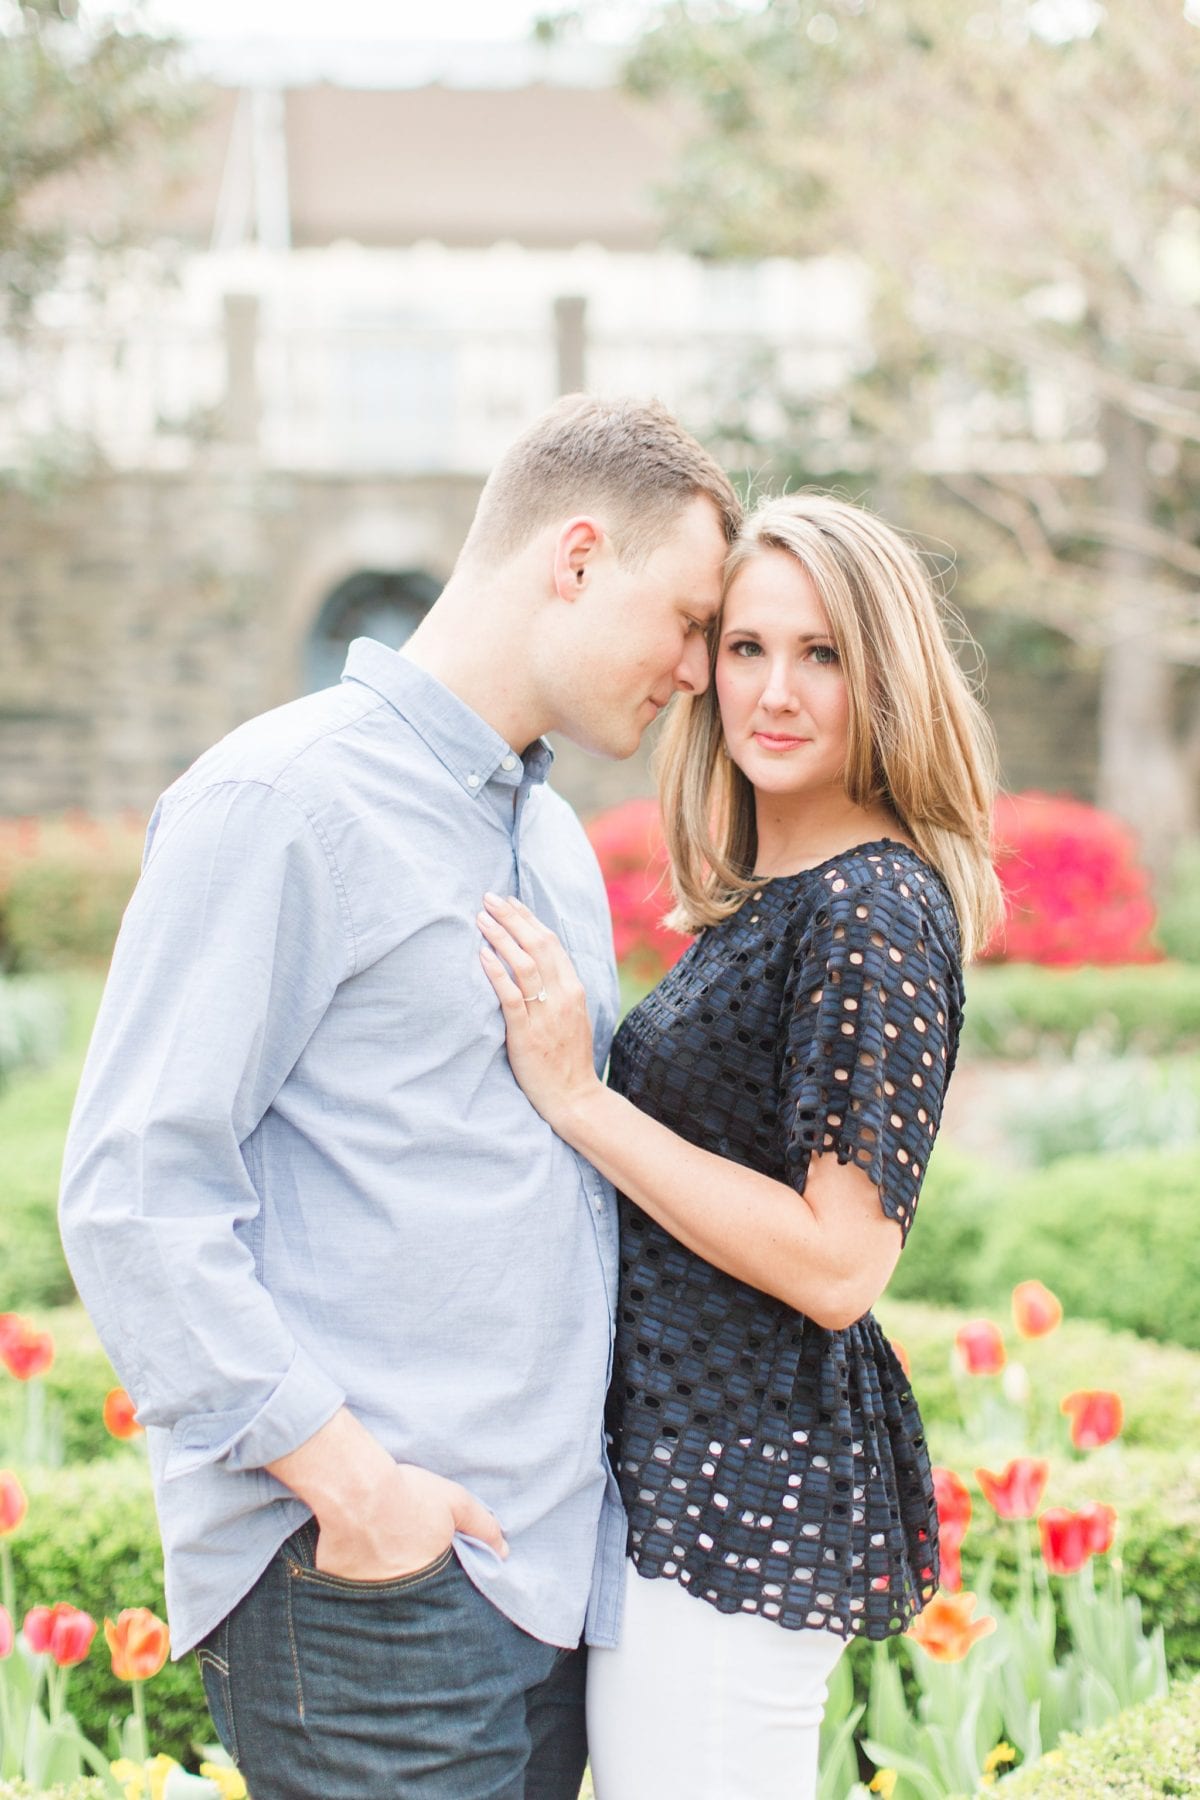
x: 493, y: 899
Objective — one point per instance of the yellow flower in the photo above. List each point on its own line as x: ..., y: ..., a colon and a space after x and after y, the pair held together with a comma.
x: 1052, y: 1756
x: 229, y: 1782
x: 885, y: 1783
x: 158, y: 1768
x: 132, y: 1777
x: 1003, y: 1753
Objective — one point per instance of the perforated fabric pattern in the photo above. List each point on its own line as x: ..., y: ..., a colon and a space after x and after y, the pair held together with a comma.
x: 767, y: 1464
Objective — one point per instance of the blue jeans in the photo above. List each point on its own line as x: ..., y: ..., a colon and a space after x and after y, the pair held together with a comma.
x: 326, y: 1689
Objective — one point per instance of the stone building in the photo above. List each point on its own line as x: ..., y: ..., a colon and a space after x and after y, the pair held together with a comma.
x: 269, y: 437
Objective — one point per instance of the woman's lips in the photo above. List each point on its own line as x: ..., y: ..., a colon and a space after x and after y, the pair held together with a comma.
x: 776, y: 741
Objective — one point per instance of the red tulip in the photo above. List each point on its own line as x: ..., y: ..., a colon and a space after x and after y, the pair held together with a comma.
x: 945, y: 1629
x: 1066, y: 1540
x: 1036, y: 1311
x: 13, y: 1504
x: 25, y: 1351
x: 7, y: 1635
x: 1100, y: 1523
x: 62, y: 1632
x: 1016, y: 1493
x: 981, y: 1347
x: 1096, y: 1417
x: 10, y: 1327
x: 951, y: 1576
x: 119, y: 1414
x: 139, y: 1642
x: 953, y: 1508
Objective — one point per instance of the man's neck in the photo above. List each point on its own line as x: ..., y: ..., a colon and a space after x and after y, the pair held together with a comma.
x: 480, y: 663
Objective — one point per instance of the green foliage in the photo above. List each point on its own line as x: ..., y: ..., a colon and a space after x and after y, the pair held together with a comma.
x: 1148, y: 1752
x: 91, y: 1537
x: 34, y: 1111
x: 32, y: 1021
x: 72, y: 101
x: 1016, y: 1009
x: 1091, y: 1106
x: 87, y: 1789
x: 1114, y: 1237
x: 64, y: 889
x: 1151, y: 1474
x: 76, y: 1384
x: 1179, y: 915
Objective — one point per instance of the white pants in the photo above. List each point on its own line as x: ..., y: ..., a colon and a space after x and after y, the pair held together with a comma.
x: 695, y: 1704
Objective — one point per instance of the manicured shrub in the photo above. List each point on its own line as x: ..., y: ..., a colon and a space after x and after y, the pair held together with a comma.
x: 87, y: 1789
x: 628, y: 841
x: 1074, y: 889
x: 1179, y: 915
x: 1146, y: 1753
x: 1114, y: 1236
x: 91, y: 1537
x: 64, y: 885
x: 1015, y: 1010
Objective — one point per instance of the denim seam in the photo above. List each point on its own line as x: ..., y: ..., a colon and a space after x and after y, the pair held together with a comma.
x: 291, y: 1626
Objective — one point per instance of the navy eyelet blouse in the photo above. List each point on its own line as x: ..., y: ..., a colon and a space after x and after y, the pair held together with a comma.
x: 767, y: 1464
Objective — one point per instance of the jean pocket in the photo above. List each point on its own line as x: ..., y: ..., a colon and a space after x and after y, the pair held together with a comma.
x: 212, y: 1657
x: 299, y: 1553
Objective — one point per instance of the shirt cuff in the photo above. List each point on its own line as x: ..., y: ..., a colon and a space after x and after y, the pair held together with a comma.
x: 304, y: 1400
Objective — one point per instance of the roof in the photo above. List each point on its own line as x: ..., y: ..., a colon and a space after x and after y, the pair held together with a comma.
x: 544, y: 166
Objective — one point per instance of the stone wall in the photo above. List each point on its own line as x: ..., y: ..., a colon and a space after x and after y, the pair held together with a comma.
x: 144, y: 615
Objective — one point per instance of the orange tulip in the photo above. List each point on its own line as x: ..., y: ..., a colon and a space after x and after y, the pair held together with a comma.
x: 10, y: 1327
x: 119, y: 1415
x: 901, y: 1355
x: 1036, y: 1311
x: 61, y: 1631
x: 13, y: 1504
x: 1016, y: 1493
x: 1096, y: 1417
x: 946, y: 1631
x: 1100, y: 1524
x: 981, y: 1347
x: 140, y: 1644
x: 953, y: 1508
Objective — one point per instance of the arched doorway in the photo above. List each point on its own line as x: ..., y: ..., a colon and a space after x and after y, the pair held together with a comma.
x: 384, y: 604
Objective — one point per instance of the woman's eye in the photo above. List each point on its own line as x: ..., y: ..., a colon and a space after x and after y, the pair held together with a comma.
x: 825, y: 655
x: 745, y: 647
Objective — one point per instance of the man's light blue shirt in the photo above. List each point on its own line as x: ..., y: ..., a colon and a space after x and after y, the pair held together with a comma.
x: 300, y: 1173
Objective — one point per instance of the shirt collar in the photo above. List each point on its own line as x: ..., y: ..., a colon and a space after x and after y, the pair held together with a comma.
x: 467, y: 746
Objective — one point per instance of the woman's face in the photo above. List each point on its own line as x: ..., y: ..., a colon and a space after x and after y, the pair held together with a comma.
x: 779, y: 682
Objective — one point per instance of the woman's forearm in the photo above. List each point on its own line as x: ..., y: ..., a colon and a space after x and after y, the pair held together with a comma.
x: 760, y: 1230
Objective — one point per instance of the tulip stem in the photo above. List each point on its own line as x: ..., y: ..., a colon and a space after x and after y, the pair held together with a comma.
x: 8, y: 1585
x: 139, y: 1714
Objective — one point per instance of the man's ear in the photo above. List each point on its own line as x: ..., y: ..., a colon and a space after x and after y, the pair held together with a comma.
x: 574, y: 554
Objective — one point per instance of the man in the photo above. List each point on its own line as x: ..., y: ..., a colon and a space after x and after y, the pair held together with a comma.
x: 361, y: 1294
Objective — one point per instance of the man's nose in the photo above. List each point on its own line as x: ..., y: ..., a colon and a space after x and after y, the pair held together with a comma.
x: 691, y: 671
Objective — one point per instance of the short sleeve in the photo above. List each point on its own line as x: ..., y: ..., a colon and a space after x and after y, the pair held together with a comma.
x: 869, y: 1034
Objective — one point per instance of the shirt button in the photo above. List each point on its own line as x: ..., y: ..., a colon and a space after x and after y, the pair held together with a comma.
x: 510, y: 762
x: 472, y: 781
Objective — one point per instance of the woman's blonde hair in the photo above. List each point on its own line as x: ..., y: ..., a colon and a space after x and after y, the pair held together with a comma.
x: 917, y: 738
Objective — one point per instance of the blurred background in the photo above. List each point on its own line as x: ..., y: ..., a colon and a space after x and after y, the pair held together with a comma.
x: 278, y: 281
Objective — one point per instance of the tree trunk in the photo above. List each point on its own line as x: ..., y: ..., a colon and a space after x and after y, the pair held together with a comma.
x: 1144, y: 774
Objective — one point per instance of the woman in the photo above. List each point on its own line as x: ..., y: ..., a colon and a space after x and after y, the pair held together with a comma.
x: 770, y: 1113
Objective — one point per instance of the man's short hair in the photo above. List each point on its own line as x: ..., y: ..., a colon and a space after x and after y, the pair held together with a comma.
x: 628, y: 461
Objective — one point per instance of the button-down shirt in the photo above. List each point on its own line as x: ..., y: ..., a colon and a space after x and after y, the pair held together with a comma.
x: 300, y: 1172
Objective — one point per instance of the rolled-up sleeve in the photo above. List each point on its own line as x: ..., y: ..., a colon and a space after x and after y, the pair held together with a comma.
x: 233, y: 946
